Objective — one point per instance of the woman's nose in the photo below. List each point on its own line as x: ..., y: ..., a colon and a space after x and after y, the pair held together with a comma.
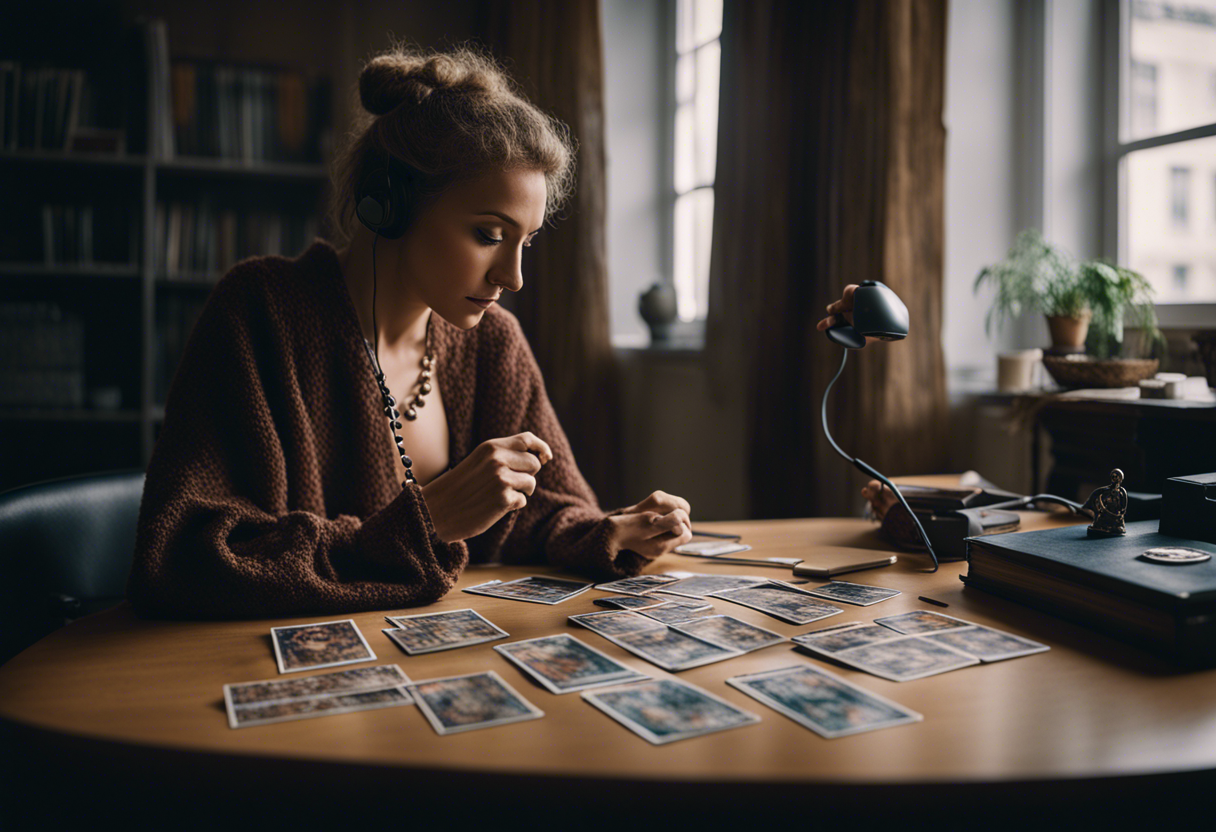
x: 508, y: 270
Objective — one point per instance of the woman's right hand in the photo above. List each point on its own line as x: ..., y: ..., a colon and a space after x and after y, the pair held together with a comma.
x: 497, y: 478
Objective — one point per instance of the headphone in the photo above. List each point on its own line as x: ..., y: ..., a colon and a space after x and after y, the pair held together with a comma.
x: 386, y: 198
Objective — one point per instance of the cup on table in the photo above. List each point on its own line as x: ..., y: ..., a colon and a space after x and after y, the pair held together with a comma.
x: 1019, y: 371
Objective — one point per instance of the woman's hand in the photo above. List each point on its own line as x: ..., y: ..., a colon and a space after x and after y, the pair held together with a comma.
x: 653, y: 527
x: 843, y: 308
x: 881, y: 498
x: 498, y: 477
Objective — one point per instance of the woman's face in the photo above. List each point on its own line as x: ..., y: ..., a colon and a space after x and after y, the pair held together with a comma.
x: 465, y: 249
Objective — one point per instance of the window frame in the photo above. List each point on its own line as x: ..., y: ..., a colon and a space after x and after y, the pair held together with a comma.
x: 1116, y: 30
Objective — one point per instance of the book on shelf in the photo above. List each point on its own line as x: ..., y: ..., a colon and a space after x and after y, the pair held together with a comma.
x: 199, y: 240
x: 50, y: 108
x: 1104, y: 583
x: 41, y: 356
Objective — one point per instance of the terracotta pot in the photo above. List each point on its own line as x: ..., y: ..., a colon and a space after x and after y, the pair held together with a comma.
x: 1068, y: 334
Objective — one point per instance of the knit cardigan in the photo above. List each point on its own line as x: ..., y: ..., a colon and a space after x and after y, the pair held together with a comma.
x: 275, y: 487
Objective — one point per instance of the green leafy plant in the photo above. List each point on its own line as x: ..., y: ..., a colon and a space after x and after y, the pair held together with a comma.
x: 1038, y: 277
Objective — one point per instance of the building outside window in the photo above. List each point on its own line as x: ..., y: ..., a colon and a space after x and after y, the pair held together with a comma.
x: 698, y: 58
x: 1167, y: 141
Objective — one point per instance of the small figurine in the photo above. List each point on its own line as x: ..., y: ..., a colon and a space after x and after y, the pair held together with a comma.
x: 1108, y: 505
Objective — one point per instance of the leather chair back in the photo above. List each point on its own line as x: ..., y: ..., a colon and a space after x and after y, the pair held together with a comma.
x: 66, y: 548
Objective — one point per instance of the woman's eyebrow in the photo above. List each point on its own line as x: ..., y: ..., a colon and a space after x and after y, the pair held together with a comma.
x: 502, y: 217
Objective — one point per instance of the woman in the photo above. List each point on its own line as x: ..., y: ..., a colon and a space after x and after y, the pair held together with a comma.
x: 311, y: 387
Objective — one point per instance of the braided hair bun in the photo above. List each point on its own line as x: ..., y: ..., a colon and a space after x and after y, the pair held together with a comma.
x: 393, y: 79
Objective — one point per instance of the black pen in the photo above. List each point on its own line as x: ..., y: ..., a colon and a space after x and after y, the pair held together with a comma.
x: 696, y: 533
x: 932, y: 601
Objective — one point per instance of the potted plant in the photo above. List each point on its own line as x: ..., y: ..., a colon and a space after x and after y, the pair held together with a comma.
x: 1086, y: 303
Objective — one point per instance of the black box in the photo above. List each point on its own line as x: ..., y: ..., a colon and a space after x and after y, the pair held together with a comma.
x: 1188, y: 507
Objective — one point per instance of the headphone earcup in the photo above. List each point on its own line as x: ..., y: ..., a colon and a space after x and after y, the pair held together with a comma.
x: 382, y: 204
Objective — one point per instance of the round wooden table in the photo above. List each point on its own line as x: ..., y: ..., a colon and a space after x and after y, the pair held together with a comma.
x: 1089, y: 719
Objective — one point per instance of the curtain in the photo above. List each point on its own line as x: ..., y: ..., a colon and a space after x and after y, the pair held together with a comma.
x: 831, y: 156
x: 554, y: 49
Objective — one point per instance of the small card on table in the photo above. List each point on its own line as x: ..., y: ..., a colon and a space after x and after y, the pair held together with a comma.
x: 665, y: 710
x: 985, y: 643
x: 673, y: 612
x: 698, y: 586
x: 564, y: 664
x: 851, y: 593
x: 640, y: 585
x: 324, y: 644
x: 434, y: 631
x: 730, y: 632
x: 471, y: 701
x: 822, y: 701
x: 781, y: 601
x: 534, y: 589
x: 279, y: 700
x: 630, y: 602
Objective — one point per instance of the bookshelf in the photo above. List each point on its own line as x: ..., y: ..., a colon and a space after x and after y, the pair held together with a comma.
x: 108, y: 256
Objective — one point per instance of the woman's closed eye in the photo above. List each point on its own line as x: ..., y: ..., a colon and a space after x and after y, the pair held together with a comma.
x: 488, y: 239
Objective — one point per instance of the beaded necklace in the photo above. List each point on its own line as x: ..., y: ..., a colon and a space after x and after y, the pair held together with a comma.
x: 390, y: 404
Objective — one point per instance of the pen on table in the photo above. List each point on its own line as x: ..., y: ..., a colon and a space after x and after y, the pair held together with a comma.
x: 698, y: 533
x: 932, y: 601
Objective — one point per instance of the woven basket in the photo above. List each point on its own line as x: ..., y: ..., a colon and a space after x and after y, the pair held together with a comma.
x: 1113, y: 372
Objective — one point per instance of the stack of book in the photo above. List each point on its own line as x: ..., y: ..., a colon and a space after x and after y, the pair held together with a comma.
x: 1104, y: 583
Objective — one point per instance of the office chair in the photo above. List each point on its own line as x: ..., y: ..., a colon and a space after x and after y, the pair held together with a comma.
x: 66, y: 547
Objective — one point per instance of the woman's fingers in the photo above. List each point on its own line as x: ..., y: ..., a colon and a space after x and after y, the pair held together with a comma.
x: 674, y: 523
x: 662, y: 503
x: 530, y: 442
x: 840, y: 307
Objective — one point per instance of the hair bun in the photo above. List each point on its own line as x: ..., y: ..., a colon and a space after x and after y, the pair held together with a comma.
x: 391, y: 79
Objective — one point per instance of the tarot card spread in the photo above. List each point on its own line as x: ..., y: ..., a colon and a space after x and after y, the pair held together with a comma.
x: 475, y: 700
x: 430, y: 632
x: 822, y: 701
x: 665, y: 710
x: 278, y: 700
x: 564, y: 664
x: 536, y: 590
x: 780, y: 601
x: 313, y: 646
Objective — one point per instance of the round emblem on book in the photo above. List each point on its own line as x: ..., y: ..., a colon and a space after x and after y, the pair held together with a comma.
x: 1176, y: 554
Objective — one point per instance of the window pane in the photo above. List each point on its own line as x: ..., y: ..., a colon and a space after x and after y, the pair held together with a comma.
x: 1173, y: 57
x: 709, y: 60
x: 685, y: 37
x: 1171, y: 226
x: 708, y: 23
x: 686, y: 78
x: 685, y: 164
x: 694, y: 223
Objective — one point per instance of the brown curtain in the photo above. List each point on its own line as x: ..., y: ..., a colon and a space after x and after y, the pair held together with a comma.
x: 830, y: 171
x: 554, y: 49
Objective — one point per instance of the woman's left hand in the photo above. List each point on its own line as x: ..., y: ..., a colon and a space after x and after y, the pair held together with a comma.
x: 843, y: 308
x: 653, y: 527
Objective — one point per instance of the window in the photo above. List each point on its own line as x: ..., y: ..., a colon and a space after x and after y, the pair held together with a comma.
x: 1180, y: 195
x: 698, y: 57
x: 1167, y: 140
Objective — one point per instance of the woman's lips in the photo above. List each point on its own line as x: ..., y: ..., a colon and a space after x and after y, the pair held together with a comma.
x: 484, y: 303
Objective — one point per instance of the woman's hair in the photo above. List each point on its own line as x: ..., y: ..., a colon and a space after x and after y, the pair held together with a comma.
x: 453, y: 116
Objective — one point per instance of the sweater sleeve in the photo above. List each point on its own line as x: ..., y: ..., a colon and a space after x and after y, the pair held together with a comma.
x: 232, y: 522
x: 562, y: 522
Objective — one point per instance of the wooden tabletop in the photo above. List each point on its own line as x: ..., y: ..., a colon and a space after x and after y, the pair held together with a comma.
x: 1091, y: 707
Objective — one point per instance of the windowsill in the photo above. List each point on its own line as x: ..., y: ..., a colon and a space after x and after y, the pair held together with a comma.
x: 687, y: 337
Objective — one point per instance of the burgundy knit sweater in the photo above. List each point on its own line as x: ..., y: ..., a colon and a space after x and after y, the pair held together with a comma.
x: 275, y: 487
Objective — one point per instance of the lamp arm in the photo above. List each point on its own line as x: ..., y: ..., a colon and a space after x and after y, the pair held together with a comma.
x: 867, y: 469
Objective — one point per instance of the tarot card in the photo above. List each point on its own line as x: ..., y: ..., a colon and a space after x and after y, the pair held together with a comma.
x: 564, y: 664
x: 986, y: 644
x: 433, y: 631
x: 921, y: 621
x: 277, y: 700
x: 614, y: 623
x: 664, y: 710
x: 698, y: 586
x: 471, y: 701
x: 904, y: 659
x: 343, y: 703
x: 674, y: 612
x: 833, y: 641
x: 313, y: 646
x: 780, y: 601
x: 630, y: 602
x: 672, y: 650
x: 640, y: 585
x: 730, y: 632
x: 822, y: 701
x: 851, y: 593
x: 534, y: 589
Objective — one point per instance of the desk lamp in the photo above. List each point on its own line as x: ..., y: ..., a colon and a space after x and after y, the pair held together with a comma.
x: 878, y: 313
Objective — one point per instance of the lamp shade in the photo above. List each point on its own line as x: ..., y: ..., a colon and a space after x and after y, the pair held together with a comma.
x: 877, y: 313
